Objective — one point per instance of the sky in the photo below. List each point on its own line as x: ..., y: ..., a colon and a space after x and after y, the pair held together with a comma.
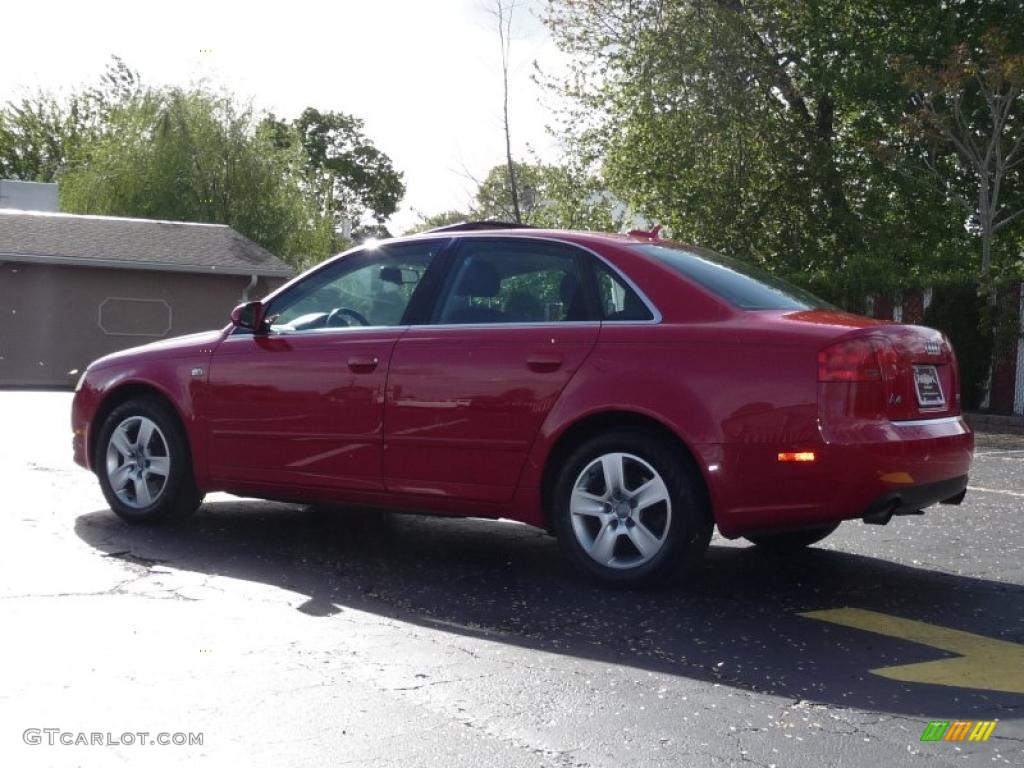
x: 424, y: 75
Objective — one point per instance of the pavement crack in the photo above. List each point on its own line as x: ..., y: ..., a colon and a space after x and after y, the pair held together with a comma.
x: 432, y: 683
x: 130, y: 557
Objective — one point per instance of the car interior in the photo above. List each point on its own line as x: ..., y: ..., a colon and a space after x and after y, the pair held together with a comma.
x: 492, y: 289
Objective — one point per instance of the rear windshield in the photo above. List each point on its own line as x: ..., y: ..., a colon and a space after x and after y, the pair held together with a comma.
x: 739, y: 283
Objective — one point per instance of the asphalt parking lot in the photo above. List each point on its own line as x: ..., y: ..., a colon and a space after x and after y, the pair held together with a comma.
x: 287, y: 636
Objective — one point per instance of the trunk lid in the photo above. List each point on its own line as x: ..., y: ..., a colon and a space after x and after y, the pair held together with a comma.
x: 919, y: 376
x: 919, y: 371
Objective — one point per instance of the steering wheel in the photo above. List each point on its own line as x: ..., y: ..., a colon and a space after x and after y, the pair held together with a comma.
x: 339, y: 312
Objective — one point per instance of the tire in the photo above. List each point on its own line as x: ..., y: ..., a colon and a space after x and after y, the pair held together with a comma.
x: 611, y: 534
x: 144, y: 480
x: 791, y: 541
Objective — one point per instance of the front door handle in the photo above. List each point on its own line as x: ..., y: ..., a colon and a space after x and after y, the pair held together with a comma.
x: 363, y: 363
x: 544, y: 363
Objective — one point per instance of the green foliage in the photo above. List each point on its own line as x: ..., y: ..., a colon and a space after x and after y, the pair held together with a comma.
x: 39, y: 133
x: 550, y: 196
x: 554, y: 196
x: 437, y: 220
x: 196, y: 156
x: 353, y: 184
x: 971, y: 104
x: 772, y: 130
x: 558, y: 197
x: 303, y: 190
x: 959, y: 312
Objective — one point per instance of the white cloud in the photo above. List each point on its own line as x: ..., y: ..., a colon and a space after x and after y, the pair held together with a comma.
x: 424, y: 75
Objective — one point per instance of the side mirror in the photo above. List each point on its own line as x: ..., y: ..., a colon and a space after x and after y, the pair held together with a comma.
x: 249, y: 316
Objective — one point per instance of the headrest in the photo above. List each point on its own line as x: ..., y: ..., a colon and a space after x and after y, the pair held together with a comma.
x: 479, y: 278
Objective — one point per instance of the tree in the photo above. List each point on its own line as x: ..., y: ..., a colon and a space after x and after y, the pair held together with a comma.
x: 504, y: 11
x: 555, y: 196
x: 354, y: 185
x: 563, y: 196
x: 191, y: 155
x: 498, y: 198
x: 437, y: 220
x: 303, y: 189
x: 35, y: 133
x: 39, y: 133
x: 758, y: 127
x: 972, y: 102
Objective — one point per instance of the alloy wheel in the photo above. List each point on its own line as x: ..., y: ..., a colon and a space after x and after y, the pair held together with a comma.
x: 620, y: 510
x: 138, y: 462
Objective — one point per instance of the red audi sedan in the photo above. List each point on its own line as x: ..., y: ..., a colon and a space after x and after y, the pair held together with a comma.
x: 623, y: 392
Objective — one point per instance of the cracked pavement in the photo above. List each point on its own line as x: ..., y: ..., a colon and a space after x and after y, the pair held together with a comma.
x: 292, y: 636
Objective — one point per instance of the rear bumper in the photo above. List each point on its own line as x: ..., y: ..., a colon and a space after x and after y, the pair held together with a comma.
x: 915, y: 498
x: 915, y: 462
x: 907, y: 466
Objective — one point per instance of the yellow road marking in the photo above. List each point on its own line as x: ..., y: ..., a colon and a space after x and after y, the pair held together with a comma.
x: 982, y: 662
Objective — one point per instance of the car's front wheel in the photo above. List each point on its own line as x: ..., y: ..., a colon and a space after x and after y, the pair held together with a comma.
x: 630, y: 510
x: 143, y: 463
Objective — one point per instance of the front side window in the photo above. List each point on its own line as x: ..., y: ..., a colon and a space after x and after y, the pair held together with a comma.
x: 504, y: 281
x: 368, y: 289
x: 741, y: 284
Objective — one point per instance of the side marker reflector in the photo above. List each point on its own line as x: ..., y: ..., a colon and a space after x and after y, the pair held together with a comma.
x: 797, y: 456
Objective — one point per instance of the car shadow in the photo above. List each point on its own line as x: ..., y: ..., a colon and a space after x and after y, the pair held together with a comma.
x: 734, y: 622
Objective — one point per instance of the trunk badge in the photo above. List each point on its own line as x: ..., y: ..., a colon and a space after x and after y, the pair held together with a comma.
x: 932, y: 348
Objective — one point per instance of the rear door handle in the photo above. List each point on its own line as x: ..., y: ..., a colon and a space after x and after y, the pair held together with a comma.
x: 544, y: 363
x: 363, y: 363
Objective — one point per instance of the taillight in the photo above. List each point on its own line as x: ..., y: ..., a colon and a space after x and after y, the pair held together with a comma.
x: 857, y: 360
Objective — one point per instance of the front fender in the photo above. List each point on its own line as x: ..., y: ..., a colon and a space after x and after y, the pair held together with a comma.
x: 180, y: 380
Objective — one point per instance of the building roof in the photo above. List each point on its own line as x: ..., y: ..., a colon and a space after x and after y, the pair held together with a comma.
x: 121, y: 243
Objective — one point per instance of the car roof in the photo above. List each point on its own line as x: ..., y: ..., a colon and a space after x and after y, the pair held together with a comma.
x: 529, y: 233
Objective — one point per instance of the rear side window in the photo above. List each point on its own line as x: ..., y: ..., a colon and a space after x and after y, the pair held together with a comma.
x: 503, y: 281
x: 618, y: 300
x: 741, y: 284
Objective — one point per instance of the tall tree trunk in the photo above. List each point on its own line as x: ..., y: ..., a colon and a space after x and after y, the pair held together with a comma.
x: 985, y: 224
x: 512, y: 183
x: 505, y: 36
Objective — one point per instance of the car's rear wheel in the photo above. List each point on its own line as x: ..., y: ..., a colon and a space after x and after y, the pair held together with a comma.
x: 789, y: 541
x: 630, y: 510
x: 143, y: 463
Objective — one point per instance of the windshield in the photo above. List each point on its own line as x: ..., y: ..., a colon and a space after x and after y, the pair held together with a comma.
x: 736, y: 281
